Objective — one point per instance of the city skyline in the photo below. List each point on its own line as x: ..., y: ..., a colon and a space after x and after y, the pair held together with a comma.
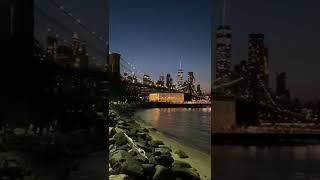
x: 155, y: 36
x: 291, y: 49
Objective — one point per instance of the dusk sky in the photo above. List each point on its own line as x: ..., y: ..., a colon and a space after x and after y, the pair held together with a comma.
x: 291, y: 31
x: 156, y: 34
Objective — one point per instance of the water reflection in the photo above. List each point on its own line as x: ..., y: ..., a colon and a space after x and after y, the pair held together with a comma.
x: 265, y: 163
x: 190, y: 126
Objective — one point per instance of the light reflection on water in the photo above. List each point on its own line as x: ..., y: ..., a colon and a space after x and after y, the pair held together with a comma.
x: 266, y: 163
x: 189, y: 126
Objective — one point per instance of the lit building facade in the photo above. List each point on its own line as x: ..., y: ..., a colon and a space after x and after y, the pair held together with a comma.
x: 258, y: 58
x: 174, y: 98
x: 180, y: 77
x: 258, y: 73
x: 223, y: 52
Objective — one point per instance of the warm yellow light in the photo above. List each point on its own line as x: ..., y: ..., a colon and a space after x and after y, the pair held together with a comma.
x: 167, y: 97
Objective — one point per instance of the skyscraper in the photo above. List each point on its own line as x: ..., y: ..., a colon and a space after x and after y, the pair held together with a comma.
x: 180, y: 76
x: 258, y: 57
x: 169, y: 81
x: 191, y: 80
x: 223, y: 47
x: 258, y: 73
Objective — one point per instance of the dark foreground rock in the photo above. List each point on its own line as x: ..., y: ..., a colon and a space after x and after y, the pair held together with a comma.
x: 123, y: 163
x: 163, y: 173
x: 135, y: 155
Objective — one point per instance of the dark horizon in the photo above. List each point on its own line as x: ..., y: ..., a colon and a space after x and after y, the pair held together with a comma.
x: 291, y: 35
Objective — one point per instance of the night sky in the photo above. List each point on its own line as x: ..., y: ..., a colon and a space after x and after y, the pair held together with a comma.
x: 291, y: 29
x: 156, y: 34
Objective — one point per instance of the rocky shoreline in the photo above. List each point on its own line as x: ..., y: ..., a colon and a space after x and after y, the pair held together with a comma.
x: 135, y: 155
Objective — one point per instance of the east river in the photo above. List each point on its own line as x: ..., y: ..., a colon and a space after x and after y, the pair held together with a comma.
x: 188, y: 126
x: 192, y: 127
x: 267, y: 163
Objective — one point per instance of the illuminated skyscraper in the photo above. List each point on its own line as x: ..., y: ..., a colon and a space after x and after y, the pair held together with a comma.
x: 258, y: 58
x: 223, y: 48
x: 180, y: 76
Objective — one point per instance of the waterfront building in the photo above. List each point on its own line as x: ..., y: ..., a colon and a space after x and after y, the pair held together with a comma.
x: 174, y: 98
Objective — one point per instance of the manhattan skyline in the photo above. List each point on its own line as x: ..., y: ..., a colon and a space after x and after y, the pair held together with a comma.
x: 291, y: 35
x: 157, y: 35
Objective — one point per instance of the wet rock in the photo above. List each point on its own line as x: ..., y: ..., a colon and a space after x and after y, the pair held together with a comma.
x: 133, y: 153
x: 162, y: 150
x: 145, y: 130
x: 162, y: 173
x: 124, y: 147
x: 155, y: 143
x: 120, y: 139
x: 142, y: 136
x: 132, y: 133
x: 123, y: 163
x: 186, y: 173
x: 112, y: 132
x: 120, y: 177
x: 144, y: 147
x: 112, y: 122
x: 180, y: 164
x: 164, y: 146
x: 112, y: 140
x: 162, y: 159
x: 148, y: 170
x: 181, y: 154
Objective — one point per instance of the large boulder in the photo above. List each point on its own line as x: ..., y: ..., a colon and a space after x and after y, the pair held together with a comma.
x: 163, y: 173
x: 112, y: 132
x: 148, y: 170
x: 180, y: 164
x: 161, y: 159
x: 120, y: 139
x: 155, y: 143
x: 123, y: 163
x: 162, y: 150
x: 181, y: 154
x: 183, y: 170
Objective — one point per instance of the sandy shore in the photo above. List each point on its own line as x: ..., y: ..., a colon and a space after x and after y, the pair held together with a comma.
x: 197, y: 159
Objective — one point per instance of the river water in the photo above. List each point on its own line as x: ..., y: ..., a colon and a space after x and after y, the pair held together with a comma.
x: 188, y: 126
x: 192, y: 127
x: 268, y: 163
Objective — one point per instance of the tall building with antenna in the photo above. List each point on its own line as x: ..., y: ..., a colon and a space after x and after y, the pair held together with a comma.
x: 223, y: 46
x: 180, y: 76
